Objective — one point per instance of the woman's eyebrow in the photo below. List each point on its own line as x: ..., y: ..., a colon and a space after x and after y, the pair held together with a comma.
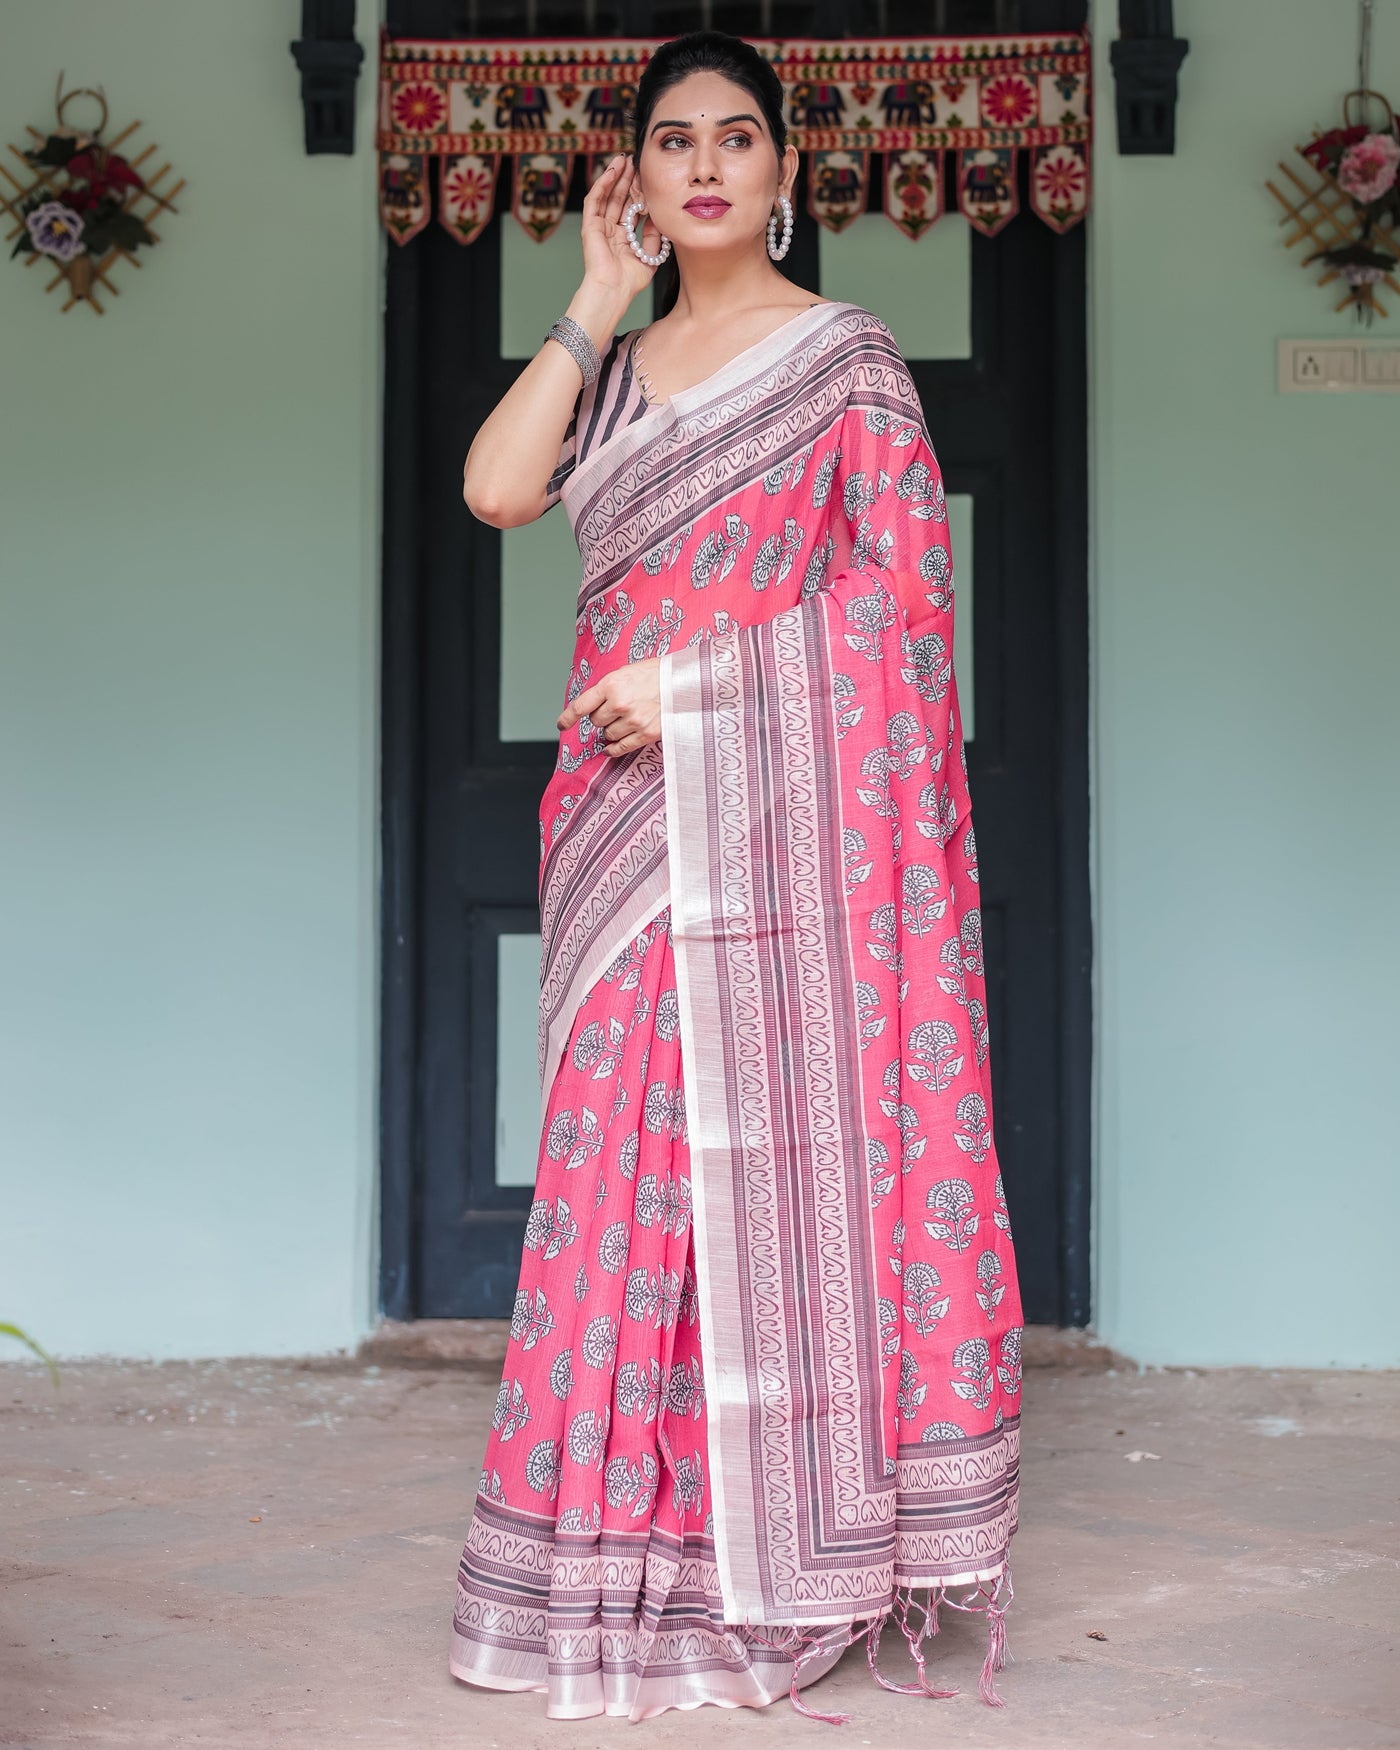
x: 724, y: 122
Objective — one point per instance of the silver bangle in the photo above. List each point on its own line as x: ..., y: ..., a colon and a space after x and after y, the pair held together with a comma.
x: 575, y: 340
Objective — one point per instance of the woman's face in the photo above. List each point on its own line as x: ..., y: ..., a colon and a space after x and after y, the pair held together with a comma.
x: 707, y: 167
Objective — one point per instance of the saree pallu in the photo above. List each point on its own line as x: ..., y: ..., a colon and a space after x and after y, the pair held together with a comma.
x: 761, y: 1394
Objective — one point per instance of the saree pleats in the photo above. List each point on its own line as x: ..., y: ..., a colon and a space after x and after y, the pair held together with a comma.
x: 589, y: 1572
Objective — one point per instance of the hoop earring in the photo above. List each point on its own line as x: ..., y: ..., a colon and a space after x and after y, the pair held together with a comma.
x: 627, y: 225
x: 778, y: 250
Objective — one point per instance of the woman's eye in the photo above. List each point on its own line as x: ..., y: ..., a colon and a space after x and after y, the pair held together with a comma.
x: 671, y: 140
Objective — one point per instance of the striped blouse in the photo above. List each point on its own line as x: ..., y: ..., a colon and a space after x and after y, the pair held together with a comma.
x: 613, y: 400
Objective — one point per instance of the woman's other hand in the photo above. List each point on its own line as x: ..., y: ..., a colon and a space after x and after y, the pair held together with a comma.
x: 608, y: 261
x: 625, y: 705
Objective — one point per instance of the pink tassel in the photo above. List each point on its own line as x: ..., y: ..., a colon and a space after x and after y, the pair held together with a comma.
x: 812, y: 1645
x: 802, y: 1648
x: 996, y: 1654
x: 994, y: 1609
x: 872, y: 1659
x: 915, y: 1638
x: 990, y: 1599
x: 813, y: 1713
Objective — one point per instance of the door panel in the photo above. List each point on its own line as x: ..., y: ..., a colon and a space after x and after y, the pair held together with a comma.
x: 478, y: 638
x: 539, y: 580
x: 922, y: 290
x: 537, y: 281
x: 960, y: 525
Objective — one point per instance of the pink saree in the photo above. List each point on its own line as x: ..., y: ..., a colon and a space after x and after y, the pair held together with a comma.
x: 761, y: 1394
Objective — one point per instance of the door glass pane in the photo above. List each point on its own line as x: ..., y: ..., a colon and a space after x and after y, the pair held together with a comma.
x: 960, y: 537
x: 538, y: 279
x: 921, y: 290
x: 539, y: 592
x: 517, y: 1074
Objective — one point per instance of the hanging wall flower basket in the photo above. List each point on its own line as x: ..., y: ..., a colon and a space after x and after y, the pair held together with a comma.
x: 1345, y: 203
x: 80, y: 207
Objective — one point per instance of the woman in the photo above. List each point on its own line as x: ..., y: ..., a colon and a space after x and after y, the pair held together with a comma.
x: 764, y: 1369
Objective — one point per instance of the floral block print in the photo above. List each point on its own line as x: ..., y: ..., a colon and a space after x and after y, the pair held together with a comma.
x: 762, y: 1391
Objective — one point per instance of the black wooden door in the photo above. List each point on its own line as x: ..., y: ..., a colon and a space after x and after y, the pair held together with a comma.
x: 460, y: 840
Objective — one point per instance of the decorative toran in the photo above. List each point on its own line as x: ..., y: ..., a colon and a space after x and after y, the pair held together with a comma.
x: 986, y: 100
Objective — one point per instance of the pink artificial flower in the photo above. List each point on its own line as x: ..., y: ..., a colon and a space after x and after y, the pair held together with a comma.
x: 1368, y: 168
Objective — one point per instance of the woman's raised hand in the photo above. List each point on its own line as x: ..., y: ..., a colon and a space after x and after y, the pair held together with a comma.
x: 625, y: 705
x: 608, y: 261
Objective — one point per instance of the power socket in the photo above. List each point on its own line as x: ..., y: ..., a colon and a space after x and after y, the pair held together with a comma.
x: 1331, y: 366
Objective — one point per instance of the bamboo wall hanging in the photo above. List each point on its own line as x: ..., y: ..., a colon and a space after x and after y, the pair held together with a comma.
x: 82, y: 207
x: 1346, y: 203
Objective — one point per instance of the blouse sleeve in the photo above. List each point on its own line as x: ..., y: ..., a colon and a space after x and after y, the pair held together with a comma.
x: 891, y: 486
x: 592, y: 397
x: 568, y: 457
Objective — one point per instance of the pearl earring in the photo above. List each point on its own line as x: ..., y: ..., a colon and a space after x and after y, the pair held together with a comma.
x: 775, y: 249
x: 628, y: 219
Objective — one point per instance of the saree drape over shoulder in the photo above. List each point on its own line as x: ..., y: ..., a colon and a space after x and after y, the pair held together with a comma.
x: 761, y: 1394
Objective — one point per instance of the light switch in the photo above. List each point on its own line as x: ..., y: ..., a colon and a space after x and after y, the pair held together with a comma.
x: 1380, y: 365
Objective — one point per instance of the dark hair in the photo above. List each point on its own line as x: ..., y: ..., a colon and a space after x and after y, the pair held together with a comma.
x: 709, y: 51
x: 704, y: 51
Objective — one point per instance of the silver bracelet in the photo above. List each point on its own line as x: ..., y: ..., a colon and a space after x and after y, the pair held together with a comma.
x: 575, y: 340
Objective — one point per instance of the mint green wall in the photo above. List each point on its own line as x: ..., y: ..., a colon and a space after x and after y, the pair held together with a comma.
x: 1246, y: 628
x: 187, y: 759
x: 188, y: 504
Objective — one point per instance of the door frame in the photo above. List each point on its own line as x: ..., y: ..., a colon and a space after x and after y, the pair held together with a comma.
x: 401, y: 790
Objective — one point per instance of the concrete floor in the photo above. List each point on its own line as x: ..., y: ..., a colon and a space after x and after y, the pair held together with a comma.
x: 262, y: 1554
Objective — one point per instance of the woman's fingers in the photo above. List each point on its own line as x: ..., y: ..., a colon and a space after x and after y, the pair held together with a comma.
x: 630, y: 744
x: 597, y: 704
x: 597, y: 203
x: 597, y: 194
x: 626, y: 701
x: 582, y: 705
x: 619, y: 192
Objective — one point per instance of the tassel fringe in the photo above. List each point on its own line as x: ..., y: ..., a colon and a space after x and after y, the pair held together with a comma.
x: 992, y: 1599
x: 802, y: 1649
x: 904, y: 1603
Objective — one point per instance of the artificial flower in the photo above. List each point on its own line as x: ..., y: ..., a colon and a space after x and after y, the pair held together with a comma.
x: 80, y: 197
x: 1367, y: 170
x: 103, y: 171
x: 1326, y: 147
x: 56, y: 230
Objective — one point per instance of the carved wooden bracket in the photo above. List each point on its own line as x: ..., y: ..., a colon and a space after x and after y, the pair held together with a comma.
x: 329, y: 59
x: 1145, y: 60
